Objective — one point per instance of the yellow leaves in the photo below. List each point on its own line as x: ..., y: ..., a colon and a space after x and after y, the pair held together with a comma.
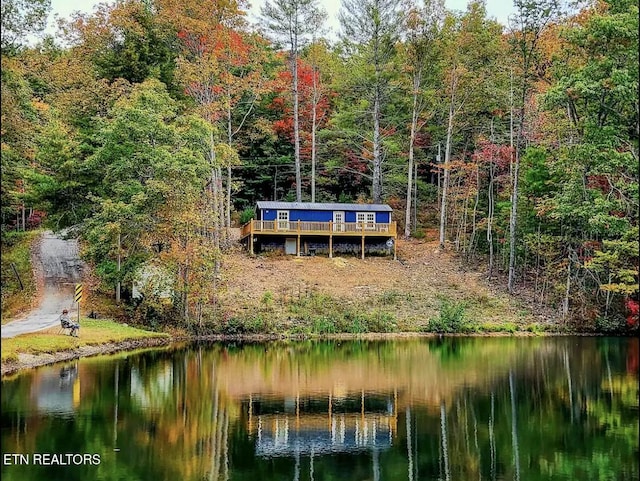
x: 226, y: 155
x: 627, y: 289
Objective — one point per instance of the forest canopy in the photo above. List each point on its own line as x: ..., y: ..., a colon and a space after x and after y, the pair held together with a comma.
x: 152, y: 127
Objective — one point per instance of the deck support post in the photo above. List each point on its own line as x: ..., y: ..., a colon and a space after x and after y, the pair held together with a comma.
x: 330, y: 239
x: 362, y: 241
x: 395, y: 248
x: 251, y: 236
x: 298, y: 243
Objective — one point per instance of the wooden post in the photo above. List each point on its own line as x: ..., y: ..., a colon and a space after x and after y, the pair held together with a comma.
x: 362, y: 241
x: 251, y: 237
x: 330, y: 239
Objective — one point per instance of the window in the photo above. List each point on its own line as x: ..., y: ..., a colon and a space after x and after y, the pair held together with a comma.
x: 369, y: 218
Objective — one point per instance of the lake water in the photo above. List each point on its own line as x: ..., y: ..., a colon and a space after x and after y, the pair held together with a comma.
x: 562, y: 408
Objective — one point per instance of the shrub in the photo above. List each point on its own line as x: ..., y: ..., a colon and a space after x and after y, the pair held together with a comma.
x: 267, y: 299
x: 451, y: 318
x: 611, y: 324
x: 246, y: 215
x: 535, y: 328
x: 323, y: 325
x: 381, y: 322
x: 418, y: 234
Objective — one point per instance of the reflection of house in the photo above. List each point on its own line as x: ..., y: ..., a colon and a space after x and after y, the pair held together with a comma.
x: 304, y: 228
x: 296, y: 427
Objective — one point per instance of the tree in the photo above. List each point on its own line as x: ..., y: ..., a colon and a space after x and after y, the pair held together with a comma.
x: 313, y: 111
x: 244, y: 59
x: 127, y: 41
x: 152, y: 160
x: 370, y: 28
x: 527, y: 24
x: 320, y: 60
x: 292, y: 20
x: 422, y: 25
x: 596, y: 204
x: 21, y: 18
x: 201, y: 30
x: 472, y: 50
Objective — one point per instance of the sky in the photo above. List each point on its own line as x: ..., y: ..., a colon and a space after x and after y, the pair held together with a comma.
x: 498, y: 9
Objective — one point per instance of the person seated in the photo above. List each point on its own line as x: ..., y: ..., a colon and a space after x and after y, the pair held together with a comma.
x: 67, y: 323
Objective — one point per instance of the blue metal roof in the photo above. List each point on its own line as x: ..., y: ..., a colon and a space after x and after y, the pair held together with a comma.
x: 323, y: 206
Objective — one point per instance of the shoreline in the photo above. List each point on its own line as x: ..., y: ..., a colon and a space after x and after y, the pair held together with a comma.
x: 32, y: 361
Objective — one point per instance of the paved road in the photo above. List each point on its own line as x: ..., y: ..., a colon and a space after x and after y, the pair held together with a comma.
x: 61, y: 268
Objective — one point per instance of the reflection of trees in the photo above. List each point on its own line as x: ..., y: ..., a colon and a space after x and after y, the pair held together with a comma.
x: 551, y: 418
x: 465, y: 409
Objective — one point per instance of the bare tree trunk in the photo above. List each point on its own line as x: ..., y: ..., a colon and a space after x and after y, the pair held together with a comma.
x: 490, y: 217
x: 445, y: 181
x: 461, y: 238
x: 535, y: 287
x: 412, y: 139
x: 565, y: 301
x: 296, y: 114
x: 475, y: 213
x: 118, y: 285
x: 377, y: 158
x: 230, y: 141
x: 514, y: 195
x: 314, y: 127
x: 513, y: 224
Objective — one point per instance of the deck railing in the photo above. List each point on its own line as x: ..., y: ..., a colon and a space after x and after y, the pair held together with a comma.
x: 319, y: 228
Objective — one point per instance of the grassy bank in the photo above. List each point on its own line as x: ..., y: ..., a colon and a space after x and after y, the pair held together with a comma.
x: 92, y: 332
x: 18, y: 291
x: 313, y: 313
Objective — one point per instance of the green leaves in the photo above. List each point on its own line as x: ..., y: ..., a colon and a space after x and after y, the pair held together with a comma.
x: 151, y: 158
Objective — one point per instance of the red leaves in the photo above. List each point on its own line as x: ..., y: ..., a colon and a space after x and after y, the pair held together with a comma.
x: 283, y: 103
x: 499, y: 155
x: 633, y: 307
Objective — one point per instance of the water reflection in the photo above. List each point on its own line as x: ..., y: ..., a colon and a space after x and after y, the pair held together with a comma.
x: 451, y: 409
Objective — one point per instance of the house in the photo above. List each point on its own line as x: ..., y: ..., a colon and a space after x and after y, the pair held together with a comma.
x: 304, y: 228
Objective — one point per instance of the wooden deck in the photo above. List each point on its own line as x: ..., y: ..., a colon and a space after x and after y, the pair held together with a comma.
x: 359, y: 229
x: 323, y: 229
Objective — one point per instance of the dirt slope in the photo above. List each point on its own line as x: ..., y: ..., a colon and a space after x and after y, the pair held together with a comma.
x: 411, y: 287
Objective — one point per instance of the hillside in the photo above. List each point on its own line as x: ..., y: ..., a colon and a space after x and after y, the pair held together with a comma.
x: 410, y: 290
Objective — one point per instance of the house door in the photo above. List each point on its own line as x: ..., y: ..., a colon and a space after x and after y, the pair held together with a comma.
x: 290, y: 246
x: 338, y: 221
x: 283, y: 220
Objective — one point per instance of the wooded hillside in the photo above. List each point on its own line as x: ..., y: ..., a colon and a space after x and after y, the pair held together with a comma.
x: 153, y: 126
